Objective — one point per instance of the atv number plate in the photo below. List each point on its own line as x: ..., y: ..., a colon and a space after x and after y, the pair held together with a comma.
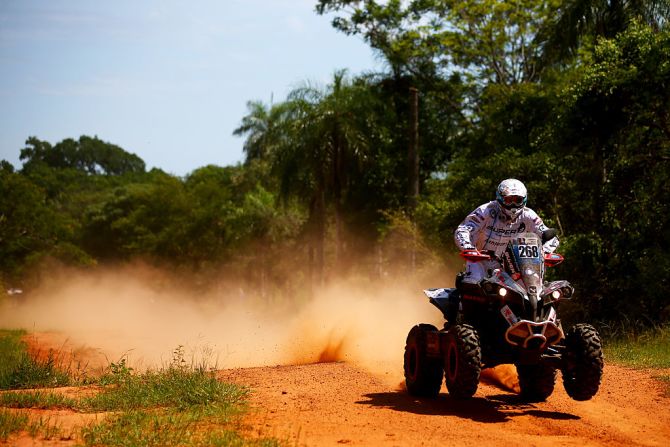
x: 529, y: 251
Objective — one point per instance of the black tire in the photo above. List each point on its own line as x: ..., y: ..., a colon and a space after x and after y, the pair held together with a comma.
x: 536, y: 381
x: 463, y: 361
x: 423, y: 374
x: 584, y: 363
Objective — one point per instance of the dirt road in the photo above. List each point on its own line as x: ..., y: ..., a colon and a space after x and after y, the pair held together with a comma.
x: 340, y: 404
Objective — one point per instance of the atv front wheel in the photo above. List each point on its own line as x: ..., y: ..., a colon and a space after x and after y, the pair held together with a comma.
x: 583, y: 367
x: 536, y: 381
x: 463, y: 361
x: 423, y: 374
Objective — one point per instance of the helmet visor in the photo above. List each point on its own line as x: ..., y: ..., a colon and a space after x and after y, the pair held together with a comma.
x: 513, y: 201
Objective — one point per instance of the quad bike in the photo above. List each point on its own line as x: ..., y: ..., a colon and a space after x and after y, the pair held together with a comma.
x: 509, y: 317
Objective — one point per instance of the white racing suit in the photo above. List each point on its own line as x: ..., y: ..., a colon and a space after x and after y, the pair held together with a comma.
x: 486, y: 228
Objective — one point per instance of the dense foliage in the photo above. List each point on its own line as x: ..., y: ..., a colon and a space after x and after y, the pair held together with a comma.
x: 573, y: 98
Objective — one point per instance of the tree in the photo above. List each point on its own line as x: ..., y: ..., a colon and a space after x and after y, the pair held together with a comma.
x: 490, y: 41
x: 321, y: 144
x: 262, y: 127
x: 90, y: 155
x: 577, y: 23
x: 147, y: 218
x: 614, y: 135
x: 337, y: 129
x: 31, y: 229
x: 594, y: 156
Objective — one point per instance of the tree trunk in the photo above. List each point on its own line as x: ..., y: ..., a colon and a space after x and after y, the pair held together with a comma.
x: 318, y: 218
x: 413, y: 164
x: 413, y: 149
x: 338, y: 185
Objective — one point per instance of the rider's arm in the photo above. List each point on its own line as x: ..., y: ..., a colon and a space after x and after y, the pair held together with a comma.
x: 539, y: 227
x: 465, y: 235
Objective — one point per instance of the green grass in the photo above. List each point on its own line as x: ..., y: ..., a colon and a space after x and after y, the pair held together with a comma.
x: 648, y: 349
x: 177, y: 405
x: 178, y: 387
x: 38, y: 399
x: 180, y: 404
x: 168, y: 427
x: 233, y: 439
x: 46, y: 428
x: 19, y: 371
x: 11, y: 422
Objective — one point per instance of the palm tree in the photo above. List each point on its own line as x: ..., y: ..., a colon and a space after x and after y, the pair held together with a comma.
x: 339, y: 127
x: 263, y: 129
x: 577, y: 21
x: 316, y: 141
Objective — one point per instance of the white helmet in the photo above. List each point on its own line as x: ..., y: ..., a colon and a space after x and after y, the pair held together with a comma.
x: 511, y: 195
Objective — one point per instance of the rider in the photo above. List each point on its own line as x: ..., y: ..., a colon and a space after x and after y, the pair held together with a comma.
x: 492, y: 225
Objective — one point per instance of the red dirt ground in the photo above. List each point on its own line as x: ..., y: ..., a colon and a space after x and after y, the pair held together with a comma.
x: 342, y: 404
x: 338, y: 403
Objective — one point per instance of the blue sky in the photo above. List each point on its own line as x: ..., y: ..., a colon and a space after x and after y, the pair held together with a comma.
x: 167, y: 80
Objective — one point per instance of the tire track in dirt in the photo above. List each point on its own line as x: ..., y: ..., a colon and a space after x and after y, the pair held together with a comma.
x: 341, y: 404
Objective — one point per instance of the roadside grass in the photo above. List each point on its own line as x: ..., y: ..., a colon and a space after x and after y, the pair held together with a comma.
x: 48, y: 428
x: 170, y: 427
x: 233, y: 439
x: 18, y: 370
x: 176, y: 386
x: 180, y: 404
x: 646, y: 349
x: 11, y: 422
x: 36, y: 399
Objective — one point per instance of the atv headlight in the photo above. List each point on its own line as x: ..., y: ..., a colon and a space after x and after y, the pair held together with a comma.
x: 556, y: 294
x: 502, y: 291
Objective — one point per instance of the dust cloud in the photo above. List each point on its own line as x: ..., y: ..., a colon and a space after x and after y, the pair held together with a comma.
x: 503, y: 377
x: 131, y: 313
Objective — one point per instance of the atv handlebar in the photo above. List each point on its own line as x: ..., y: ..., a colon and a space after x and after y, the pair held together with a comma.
x: 474, y: 255
x: 552, y: 259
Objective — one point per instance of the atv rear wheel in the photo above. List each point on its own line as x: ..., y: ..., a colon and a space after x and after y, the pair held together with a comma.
x: 536, y: 381
x: 423, y: 374
x: 583, y: 368
x: 463, y: 361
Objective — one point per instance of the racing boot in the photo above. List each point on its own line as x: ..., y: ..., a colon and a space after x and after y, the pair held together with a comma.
x: 454, y: 303
x: 452, y: 308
